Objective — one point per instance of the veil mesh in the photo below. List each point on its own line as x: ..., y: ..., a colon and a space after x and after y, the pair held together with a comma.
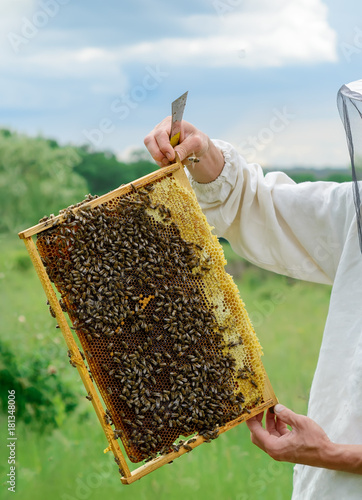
x: 349, y: 102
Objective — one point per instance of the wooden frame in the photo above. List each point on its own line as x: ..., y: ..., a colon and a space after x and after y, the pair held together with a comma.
x: 128, y: 476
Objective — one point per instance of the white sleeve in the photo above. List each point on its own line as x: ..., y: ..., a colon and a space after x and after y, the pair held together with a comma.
x: 294, y: 229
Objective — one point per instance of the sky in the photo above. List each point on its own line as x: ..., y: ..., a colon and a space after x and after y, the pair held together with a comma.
x: 261, y: 74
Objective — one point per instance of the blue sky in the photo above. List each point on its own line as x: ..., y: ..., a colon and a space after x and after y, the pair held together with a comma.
x: 262, y: 74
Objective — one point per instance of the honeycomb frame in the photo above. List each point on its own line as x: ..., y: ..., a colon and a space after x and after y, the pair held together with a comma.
x: 204, y: 243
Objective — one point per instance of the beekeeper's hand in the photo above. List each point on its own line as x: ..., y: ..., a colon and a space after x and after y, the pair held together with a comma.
x: 193, y: 143
x: 305, y: 443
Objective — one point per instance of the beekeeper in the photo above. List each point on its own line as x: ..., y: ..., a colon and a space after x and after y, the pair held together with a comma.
x: 307, y: 231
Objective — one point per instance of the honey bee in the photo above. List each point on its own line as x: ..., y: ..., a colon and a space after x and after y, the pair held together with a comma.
x: 234, y: 343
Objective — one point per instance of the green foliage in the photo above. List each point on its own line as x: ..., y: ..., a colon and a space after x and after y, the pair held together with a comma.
x: 103, y: 172
x: 339, y: 177
x: 21, y: 261
x: 302, y: 176
x: 36, y: 177
x: 41, y: 397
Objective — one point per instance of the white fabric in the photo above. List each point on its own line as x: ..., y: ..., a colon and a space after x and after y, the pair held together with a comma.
x: 356, y: 87
x: 307, y: 231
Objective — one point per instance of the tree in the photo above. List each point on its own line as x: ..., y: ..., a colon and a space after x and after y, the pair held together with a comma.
x: 104, y: 172
x: 339, y: 177
x: 42, y: 398
x: 37, y: 177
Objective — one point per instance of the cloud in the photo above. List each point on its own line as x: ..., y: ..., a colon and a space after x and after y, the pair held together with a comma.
x: 270, y: 34
x: 12, y: 13
x: 255, y: 35
x: 265, y: 34
x: 86, y: 56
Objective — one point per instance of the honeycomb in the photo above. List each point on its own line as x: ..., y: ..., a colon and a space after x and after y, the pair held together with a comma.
x: 164, y: 331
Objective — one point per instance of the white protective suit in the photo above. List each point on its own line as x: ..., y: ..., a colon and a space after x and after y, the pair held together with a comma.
x: 306, y: 231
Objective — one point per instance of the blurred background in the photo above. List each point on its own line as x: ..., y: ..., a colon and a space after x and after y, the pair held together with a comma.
x: 81, y: 84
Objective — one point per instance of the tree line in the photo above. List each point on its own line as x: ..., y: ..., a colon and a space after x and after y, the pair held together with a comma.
x: 39, y: 177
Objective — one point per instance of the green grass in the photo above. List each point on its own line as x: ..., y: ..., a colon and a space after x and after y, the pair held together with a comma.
x: 289, y: 318
x: 69, y: 462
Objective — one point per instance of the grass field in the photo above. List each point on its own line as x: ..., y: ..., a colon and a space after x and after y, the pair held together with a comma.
x: 68, y: 463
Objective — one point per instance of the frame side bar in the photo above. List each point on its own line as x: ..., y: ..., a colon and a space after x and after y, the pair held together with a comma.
x: 76, y: 358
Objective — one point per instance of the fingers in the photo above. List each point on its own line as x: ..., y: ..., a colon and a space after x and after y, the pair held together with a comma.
x: 254, y: 423
x: 288, y: 417
x: 281, y: 427
x: 255, y: 426
x: 274, y: 428
x: 192, y: 144
x: 255, y: 420
x: 271, y: 423
x: 155, y: 152
x: 165, y: 149
x: 158, y: 143
x: 303, y: 444
x: 258, y: 434
x: 274, y: 425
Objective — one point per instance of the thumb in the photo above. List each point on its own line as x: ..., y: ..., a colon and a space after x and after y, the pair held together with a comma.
x: 285, y: 415
x: 181, y: 150
x: 194, y: 143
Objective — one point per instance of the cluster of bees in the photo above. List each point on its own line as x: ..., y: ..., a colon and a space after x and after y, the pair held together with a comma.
x: 133, y: 289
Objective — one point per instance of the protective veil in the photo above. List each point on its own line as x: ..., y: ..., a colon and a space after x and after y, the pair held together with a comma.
x: 349, y: 102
